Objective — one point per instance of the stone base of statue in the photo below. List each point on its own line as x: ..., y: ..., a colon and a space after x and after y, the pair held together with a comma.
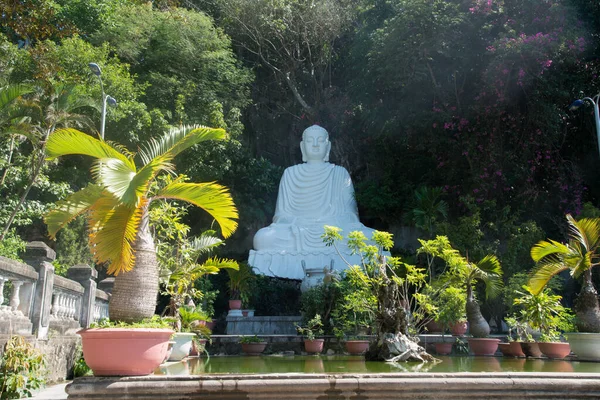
x: 288, y: 265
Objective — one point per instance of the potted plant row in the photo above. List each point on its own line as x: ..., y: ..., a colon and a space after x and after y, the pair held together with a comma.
x: 451, y: 315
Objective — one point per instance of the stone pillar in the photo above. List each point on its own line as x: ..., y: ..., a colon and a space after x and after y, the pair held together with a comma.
x: 86, y: 276
x: 40, y: 257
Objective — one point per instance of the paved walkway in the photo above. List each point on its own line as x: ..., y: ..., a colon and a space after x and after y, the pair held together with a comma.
x: 55, y: 392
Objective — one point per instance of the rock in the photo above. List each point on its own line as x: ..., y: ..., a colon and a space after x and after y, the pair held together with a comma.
x: 402, y: 348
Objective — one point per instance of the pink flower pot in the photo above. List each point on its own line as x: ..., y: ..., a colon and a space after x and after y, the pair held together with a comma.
x: 531, y: 349
x: 314, y: 346
x: 357, y: 347
x: 124, y: 351
x: 459, y: 328
x: 555, y: 349
x: 483, y: 346
x: 443, y: 348
x: 433, y: 327
x: 254, y: 349
x: 512, y: 349
x: 235, y: 304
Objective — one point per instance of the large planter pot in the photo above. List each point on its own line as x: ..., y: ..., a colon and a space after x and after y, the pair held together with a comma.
x: 443, y: 348
x: 254, y: 349
x: 531, y: 349
x: 197, y: 349
x: 235, y: 304
x: 314, y: 346
x: 555, y: 349
x: 459, y: 328
x: 434, y: 327
x: 124, y: 351
x: 511, y: 349
x: 182, y: 346
x: 357, y: 347
x: 483, y: 346
x: 586, y: 346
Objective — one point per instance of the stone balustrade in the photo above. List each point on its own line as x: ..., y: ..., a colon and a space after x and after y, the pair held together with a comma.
x: 34, y: 301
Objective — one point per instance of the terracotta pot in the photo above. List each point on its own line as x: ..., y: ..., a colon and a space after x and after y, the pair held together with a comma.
x: 197, y: 350
x: 235, y: 304
x: 443, y: 348
x: 211, y: 325
x: 182, y: 346
x: 254, y: 349
x: 459, y: 328
x: 314, y: 346
x: 511, y: 349
x: 483, y: 346
x: 357, y: 347
x: 555, y: 349
x: 433, y: 327
x: 531, y: 349
x: 124, y: 351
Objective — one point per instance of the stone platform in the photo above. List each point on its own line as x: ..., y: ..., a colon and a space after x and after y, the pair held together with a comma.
x: 342, y: 386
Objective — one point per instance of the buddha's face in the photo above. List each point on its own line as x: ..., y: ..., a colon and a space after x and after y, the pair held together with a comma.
x: 315, y: 145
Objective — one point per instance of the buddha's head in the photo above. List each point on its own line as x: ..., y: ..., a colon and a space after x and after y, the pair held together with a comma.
x: 315, y: 145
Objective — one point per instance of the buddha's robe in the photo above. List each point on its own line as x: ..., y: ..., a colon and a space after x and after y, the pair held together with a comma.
x: 310, y: 196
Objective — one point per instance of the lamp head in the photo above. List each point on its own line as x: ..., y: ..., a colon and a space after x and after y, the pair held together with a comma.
x: 111, y: 101
x: 575, y: 105
x: 95, y: 69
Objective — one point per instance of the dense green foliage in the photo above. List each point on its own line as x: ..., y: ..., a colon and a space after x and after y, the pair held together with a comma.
x: 21, y: 369
x: 451, y: 116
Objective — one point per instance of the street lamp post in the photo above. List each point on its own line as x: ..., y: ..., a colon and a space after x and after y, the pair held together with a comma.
x: 105, y: 98
x: 595, y: 101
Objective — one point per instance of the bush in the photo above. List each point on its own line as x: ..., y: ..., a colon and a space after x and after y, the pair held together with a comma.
x: 21, y: 369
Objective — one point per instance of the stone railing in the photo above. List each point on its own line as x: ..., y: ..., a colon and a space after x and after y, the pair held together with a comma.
x: 33, y: 300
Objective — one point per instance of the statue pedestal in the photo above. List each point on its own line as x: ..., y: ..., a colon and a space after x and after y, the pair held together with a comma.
x: 288, y: 265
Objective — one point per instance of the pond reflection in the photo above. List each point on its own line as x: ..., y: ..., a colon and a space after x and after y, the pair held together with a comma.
x: 357, y: 364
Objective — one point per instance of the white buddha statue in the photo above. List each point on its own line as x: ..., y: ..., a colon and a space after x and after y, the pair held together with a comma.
x: 311, y: 195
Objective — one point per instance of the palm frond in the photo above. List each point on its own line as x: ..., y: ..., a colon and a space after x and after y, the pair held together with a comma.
x: 585, y: 231
x: 114, y: 175
x: 544, y: 249
x: 114, y: 227
x: 10, y: 93
x: 205, y: 243
x: 548, y: 267
x: 68, y: 209
x: 139, y: 182
x: 71, y: 141
x: 176, y: 140
x: 211, y: 197
x: 489, y: 270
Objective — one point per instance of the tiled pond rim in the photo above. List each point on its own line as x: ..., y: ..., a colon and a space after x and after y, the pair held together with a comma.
x: 350, y: 377
x: 464, y: 385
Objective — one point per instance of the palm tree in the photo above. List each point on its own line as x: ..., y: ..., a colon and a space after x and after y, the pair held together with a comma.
x: 578, y: 256
x: 117, y: 207
x: 488, y: 271
x: 64, y: 101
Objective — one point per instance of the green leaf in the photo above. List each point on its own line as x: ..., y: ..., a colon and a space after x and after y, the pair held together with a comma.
x: 68, y: 209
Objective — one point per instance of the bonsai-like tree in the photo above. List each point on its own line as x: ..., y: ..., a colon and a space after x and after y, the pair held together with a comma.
x: 117, y: 206
x: 466, y: 273
x: 578, y: 256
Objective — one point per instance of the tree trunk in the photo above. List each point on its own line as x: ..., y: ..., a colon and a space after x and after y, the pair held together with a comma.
x: 478, y: 326
x: 135, y: 292
x: 390, y: 318
x: 587, y: 307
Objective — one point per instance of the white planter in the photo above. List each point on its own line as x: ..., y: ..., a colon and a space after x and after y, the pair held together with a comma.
x: 182, y: 346
x: 586, y: 346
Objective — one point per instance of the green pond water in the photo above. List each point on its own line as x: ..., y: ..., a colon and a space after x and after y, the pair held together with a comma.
x: 357, y: 364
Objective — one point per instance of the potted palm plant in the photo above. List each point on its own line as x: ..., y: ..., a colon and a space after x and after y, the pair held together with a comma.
x: 310, y: 331
x: 187, y: 331
x: 117, y: 205
x: 239, y: 285
x: 579, y: 255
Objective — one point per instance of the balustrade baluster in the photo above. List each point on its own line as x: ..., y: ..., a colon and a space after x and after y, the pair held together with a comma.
x: 14, y: 296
